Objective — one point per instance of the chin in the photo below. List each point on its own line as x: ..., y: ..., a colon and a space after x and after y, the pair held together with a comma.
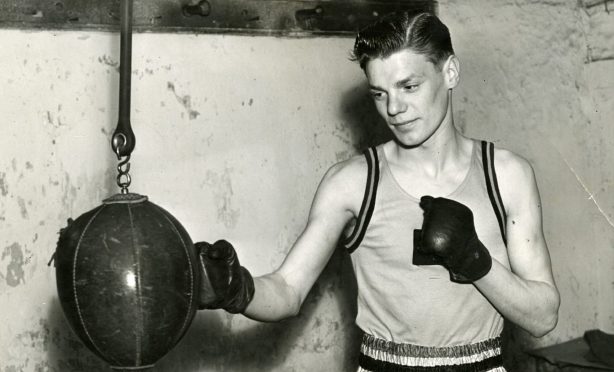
x: 408, y: 143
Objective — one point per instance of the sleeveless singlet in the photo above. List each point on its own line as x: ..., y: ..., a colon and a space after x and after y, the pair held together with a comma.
x: 404, y: 303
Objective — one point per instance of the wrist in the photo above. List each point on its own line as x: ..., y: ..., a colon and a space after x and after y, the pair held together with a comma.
x: 473, y: 264
x: 238, y: 301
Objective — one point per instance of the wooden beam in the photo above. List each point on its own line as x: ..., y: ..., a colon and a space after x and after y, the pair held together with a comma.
x: 268, y: 17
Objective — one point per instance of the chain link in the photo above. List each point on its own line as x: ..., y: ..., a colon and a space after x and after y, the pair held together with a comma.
x: 123, y: 178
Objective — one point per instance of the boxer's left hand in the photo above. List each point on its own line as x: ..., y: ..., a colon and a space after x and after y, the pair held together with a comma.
x: 448, y: 232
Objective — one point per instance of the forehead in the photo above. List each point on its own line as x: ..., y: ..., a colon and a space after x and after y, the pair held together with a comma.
x: 398, y: 66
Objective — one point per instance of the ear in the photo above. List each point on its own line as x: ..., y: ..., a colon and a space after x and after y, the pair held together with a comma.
x: 451, y: 71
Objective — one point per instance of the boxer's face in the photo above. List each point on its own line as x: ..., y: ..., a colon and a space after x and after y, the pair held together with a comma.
x: 411, y: 94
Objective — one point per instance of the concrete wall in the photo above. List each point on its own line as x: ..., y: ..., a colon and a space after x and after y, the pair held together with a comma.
x: 233, y: 135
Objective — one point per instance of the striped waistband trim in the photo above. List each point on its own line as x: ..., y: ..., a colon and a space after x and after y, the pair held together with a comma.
x: 382, y: 355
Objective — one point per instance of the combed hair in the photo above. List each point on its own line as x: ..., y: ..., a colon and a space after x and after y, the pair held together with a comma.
x: 423, y: 33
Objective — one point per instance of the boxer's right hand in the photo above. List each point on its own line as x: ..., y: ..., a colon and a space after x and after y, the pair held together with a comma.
x: 225, y: 284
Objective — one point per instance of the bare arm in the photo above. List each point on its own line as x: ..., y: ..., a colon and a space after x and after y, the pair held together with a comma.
x: 526, y: 295
x: 280, y: 294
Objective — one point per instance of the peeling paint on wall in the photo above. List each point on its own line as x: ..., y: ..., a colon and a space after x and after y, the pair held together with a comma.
x: 185, y: 101
x: 14, y: 275
x: 109, y: 61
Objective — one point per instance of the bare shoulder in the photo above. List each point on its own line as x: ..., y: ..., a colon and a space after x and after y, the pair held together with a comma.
x: 349, y: 168
x: 344, y: 183
x: 516, y: 178
x: 509, y: 163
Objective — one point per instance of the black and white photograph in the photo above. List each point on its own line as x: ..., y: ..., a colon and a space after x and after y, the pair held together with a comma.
x: 306, y: 185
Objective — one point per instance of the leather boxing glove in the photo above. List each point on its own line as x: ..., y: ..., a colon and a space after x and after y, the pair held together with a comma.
x: 225, y: 284
x: 448, y: 238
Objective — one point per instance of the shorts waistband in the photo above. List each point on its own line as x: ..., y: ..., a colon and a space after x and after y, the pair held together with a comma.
x: 377, y: 355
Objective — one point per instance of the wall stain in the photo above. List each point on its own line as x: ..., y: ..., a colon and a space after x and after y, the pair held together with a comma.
x: 343, y: 155
x: 37, y: 339
x: 14, y: 270
x: 106, y: 60
x: 222, y: 189
x: 185, y: 101
x: 575, y: 284
x: 69, y: 192
x: 342, y: 133
x: 4, y: 188
x: 54, y: 122
x: 22, y: 208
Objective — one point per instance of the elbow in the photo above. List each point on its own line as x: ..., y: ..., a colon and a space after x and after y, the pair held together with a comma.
x: 294, y: 311
x: 294, y: 300
x: 275, y: 313
x: 294, y: 306
x: 545, y: 326
x: 291, y: 305
x: 549, y: 318
x: 291, y: 308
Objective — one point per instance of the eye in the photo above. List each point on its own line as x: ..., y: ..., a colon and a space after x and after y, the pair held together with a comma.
x: 411, y: 87
x: 376, y: 95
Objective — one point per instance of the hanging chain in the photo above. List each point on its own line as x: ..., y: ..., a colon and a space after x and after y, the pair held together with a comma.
x: 123, y: 178
x: 123, y: 167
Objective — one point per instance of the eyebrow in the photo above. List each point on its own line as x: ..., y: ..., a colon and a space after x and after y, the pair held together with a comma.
x: 400, y: 83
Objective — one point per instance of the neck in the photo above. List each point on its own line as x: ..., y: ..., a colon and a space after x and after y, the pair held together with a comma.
x: 444, y: 149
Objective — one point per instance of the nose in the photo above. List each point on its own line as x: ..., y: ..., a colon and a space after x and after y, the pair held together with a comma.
x: 395, y: 105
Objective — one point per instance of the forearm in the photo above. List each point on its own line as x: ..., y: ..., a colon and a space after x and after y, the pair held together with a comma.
x: 532, y: 305
x: 273, y: 300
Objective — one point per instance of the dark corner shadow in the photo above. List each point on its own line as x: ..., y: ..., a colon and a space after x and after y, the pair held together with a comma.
x: 514, y: 343
x: 209, y: 344
x: 364, y: 123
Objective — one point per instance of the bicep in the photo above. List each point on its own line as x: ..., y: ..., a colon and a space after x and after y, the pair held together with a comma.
x: 527, y: 248
x: 330, y: 212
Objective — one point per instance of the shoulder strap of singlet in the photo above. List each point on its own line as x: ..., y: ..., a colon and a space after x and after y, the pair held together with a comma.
x: 352, y: 241
x: 488, y: 161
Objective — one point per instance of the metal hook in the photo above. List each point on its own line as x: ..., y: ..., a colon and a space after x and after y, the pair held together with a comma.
x: 203, y: 9
x: 117, y: 143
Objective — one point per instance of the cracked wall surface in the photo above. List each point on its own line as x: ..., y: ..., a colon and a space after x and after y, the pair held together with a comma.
x: 233, y: 136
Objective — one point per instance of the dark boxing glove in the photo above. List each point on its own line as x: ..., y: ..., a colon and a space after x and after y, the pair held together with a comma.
x: 448, y: 238
x: 225, y: 284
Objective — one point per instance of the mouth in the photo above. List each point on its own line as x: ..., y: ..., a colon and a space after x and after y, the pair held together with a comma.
x: 404, y: 123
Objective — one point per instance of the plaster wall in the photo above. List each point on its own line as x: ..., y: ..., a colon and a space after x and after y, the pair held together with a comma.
x: 233, y: 136
x: 532, y: 85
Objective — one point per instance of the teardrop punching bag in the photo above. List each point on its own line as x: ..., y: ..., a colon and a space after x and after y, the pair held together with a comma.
x: 126, y: 271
